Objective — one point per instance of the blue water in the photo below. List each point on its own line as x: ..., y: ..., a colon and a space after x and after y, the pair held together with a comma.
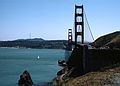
x: 14, y: 61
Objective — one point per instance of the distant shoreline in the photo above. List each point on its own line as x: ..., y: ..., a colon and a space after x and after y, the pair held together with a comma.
x: 35, y: 44
x: 28, y: 48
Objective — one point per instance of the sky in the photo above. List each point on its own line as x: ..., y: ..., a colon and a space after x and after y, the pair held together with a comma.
x: 51, y: 19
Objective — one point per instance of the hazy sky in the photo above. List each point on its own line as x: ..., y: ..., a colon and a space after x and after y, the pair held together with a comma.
x: 50, y: 19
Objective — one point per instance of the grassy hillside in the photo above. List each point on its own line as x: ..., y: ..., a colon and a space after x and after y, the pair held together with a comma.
x: 111, y: 40
x: 109, y: 77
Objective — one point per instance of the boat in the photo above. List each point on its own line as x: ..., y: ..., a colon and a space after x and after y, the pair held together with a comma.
x: 38, y: 57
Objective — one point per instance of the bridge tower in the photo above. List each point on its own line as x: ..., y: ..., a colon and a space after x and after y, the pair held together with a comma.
x: 79, y: 24
x: 70, y: 39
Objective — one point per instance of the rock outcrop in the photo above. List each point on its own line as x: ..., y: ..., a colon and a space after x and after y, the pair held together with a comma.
x: 25, y: 79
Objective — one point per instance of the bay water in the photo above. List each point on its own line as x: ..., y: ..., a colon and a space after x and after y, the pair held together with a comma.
x: 40, y: 63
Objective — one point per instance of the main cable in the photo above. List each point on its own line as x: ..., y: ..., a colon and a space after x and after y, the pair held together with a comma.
x: 88, y: 25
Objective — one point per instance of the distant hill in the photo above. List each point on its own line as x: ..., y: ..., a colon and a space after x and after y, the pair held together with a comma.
x: 34, y: 39
x: 35, y: 43
x: 111, y: 40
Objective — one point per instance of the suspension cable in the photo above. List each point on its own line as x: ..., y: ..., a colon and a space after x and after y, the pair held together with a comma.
x: 88, y: 25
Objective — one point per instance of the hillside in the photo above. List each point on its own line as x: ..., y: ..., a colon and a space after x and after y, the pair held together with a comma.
x: 34, y: 39
x: 35, y: 43
x: 107, y: 77
x: 111, y: 40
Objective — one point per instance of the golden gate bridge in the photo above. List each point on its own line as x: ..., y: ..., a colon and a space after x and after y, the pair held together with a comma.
x: 79, y: 58
x: 81, y: 31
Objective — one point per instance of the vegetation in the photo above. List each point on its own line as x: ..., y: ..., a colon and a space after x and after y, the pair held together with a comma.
x: 35, y: 43
x: 111, y: 40
x: 108, y: 76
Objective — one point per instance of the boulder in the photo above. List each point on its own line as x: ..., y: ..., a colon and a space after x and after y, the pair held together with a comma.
x: 25, y: 79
